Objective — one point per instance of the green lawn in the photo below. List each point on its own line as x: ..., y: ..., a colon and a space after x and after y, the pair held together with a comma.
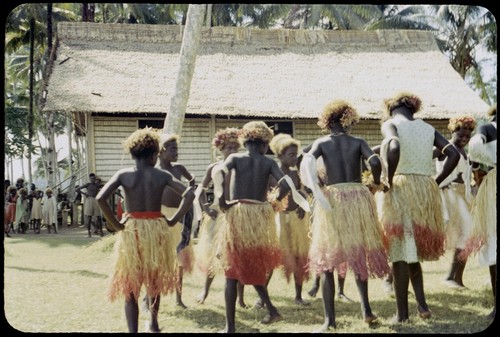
x: 58, y: 283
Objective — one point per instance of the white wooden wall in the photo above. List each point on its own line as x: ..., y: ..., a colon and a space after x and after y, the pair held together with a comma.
x: 195, y: 150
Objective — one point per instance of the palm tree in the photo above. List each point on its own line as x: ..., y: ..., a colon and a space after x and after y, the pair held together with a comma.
x: 189, y: 50
x: 462, y: 32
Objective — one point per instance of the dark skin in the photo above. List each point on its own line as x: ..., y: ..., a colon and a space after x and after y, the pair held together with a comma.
x: 404, y: 272
x: 226, y: 150
x: 167, y: 159
x: 345, y: 166
x: 460, y: 138
x: 289, y: 158
x: 143, y: 179
x: 91, y: 190
x: 249, y: 180
x: 490, y: 132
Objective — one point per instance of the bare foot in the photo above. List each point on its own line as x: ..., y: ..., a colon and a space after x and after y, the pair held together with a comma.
x: 313, y: 292
x: 325, y: 328
x: 300, y: 301
x: 268, y: 319
x: 243, y: 305
x: 181, y: 304
x: 344, y: 298
x: 370, y: 319
x: 201, y: 298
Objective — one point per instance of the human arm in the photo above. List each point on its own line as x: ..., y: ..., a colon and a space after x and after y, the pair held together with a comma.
x: 106, y: 191
x: 451, y: 153
x: 205, y: 206
x: 186, y: 202
x: 390, y: 149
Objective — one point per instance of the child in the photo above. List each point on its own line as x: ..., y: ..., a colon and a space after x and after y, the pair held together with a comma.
x: 22, y: 211
x: 144, y: 250
x: 49, y: 210
x: 170, y: 202
x: 345, y: 228
x: 10, y: 212
x: 456, y: 195
x: 411, y: 211
x: 293, y: 224
x: 483, y: 237
x: 36, y: 211
x: 226, y: 141
x: 249, y: 246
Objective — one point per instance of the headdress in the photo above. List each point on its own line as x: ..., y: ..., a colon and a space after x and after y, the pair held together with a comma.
x: 224, y: 137
x: 462, y: 122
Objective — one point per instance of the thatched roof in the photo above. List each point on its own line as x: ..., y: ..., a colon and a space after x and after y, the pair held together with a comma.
x: 115, y: 68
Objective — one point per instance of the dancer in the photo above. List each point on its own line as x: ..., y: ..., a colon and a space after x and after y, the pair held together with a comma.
x: 170, y: 202
x: 456, y: 196
x: 249, y: 246
x: 411, y: 211
x: 293, y: 222
x: 144, y: 251
x: 226, y: 141
x: 483, y: 237
x: 345, y: 228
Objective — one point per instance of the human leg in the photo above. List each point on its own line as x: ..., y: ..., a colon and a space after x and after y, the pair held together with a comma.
x: 417, y: 282
x: 204, y: 293
x: 401, y: 281
x: 259, y: 304
x: 88, y: 223
x: 230, y: 300
x: 493, y: 276
x: 366, y: 310
x: 454, y: 279
x: 341, y: 296
x: 154, y: 306
x: 298, y: 294
x: 328, y: 294
x: 178, y: 288
x: 273, y: 315
x: 241, y: 295
x: 315, y: 287
x: 132, y: 314
x: 99, y: 225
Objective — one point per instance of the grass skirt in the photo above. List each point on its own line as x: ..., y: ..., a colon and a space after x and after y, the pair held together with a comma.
x: 144, y: 253
x: 185, y: 257
x: 294, y: 243
x: 459, y: 223
x: 483, y: 237
x: 249, y: 242
x: 412, y: 217
x: 206, y: 248
x: 349, y: 233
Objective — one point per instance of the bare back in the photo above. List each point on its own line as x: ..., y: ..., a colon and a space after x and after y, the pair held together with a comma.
x: 342, y: 156
x: 251, y: 175
x: 143, y: 188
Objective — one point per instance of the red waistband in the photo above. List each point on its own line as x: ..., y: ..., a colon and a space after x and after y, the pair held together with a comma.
x: 144, y: 215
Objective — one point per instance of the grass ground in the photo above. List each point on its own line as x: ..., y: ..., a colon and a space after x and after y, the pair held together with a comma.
x: 57, y: 283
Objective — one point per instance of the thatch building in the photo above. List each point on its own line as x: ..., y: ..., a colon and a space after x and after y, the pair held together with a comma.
x: 114, y: 78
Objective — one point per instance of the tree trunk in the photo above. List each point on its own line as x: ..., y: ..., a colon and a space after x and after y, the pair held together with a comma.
x: 208, y: 20
x: 189, y: 49
x: 30, y: 110
x: 52, y: 154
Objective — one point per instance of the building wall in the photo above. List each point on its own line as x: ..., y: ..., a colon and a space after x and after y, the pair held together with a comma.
x: 195, y: 150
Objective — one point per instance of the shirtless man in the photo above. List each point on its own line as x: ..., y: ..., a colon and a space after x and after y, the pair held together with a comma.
x: 90, y: 207
x: 249, y: 243
x: 345, y: 228
x: 153, y: 261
